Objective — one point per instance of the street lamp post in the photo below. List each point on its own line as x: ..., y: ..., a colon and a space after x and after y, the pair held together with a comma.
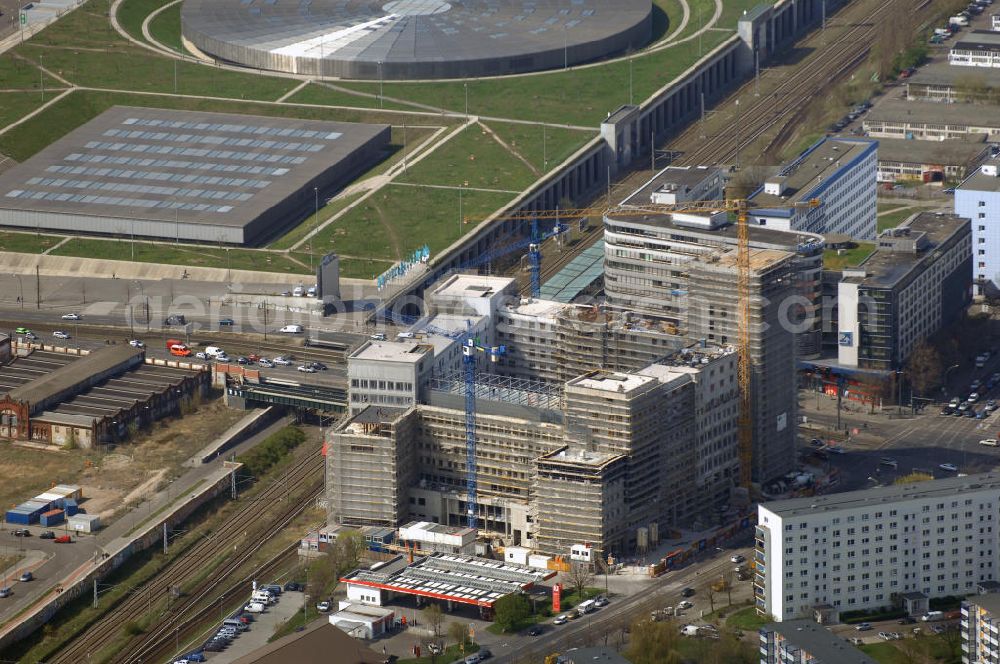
x: 20, y: 289
x: 899, y: 390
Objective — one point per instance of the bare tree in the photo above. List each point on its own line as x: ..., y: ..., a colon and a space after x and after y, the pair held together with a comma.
x: 580, y: 577
x: 435, y: 618
x: 924, y: 368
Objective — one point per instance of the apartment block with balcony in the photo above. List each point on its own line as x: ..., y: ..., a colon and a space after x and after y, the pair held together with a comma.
x: 980, y: 629
x: 868, y: 549
x: 805, y: 642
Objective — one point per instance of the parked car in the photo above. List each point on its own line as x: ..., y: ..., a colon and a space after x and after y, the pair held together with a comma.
x: 63, y: 539
x: 305, y: 368
x: 135, y: 343
x: 535, y: 630
x: 292, y: 586
x: 863, y: 627
x: 242, y: 360
x: 201, y: 355
x: 226, y: 322
x: 737, y: 558
x: 6, y: 592
x: 25, y: 577
x: 266, y: 363
x: 947, y: 410
x: 323, y: 607
x: 282, y: 361
x: 601, y: 601
x: 174, y: 319
x: 48, y: 534
x: 990, y: 442
x: 378, y: 336
x: 561, y: 620
x: 687, y: 592
x: 684, y: 604
x: 318, y: 366
x: 906, y: 620
x: 950, y: 467
x: 21, y: 532
x: 484, y: 653
x: 21, y: 330
x: 72, y: 317
x: 59, y: 334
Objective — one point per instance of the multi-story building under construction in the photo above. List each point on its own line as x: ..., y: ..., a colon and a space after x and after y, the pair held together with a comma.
x: 624, y: 452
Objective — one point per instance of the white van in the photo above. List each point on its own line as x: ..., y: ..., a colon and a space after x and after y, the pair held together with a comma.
x: 214, y: 351
x: 931, y: 616
x: 256, y: 607
x: 291, y: 329
x: 405, y: 335
x: 263, y: 597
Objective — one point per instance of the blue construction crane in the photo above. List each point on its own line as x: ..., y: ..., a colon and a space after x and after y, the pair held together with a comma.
x: 470, y: 350
x: 533, y: 244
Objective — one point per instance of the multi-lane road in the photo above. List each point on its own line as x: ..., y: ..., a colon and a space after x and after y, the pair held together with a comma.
x: 607, y: 622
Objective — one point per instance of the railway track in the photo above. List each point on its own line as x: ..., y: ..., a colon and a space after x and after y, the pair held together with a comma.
x: 804, y: 82
x: 164, y: 643
x: 244, y: 532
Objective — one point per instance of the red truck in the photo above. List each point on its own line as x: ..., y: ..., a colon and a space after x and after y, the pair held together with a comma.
x: 178, y: 348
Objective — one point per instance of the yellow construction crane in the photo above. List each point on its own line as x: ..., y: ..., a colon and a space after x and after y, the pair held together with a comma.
x: 741, y: 208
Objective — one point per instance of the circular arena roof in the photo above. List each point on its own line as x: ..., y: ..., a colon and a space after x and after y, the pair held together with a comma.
x: 414, y: 39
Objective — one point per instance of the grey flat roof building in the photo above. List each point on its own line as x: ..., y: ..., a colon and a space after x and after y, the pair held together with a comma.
x: 947, y: 487
x: 931, y: 152
x: 804, y: 641
x: 919, y: 112
x: 182, y: 175
x: 981, y: 181
x: 414, y: 39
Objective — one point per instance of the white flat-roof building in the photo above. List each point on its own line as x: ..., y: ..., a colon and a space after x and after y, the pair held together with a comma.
x: 679, y: 184
x: 472, y: 294
x: 979, y: 48
x: 388, y: 373
x: 861, y: 549
x: 978, y: 199
x: 429, y: 536
x: 838, y: 173
x: 362, y: 621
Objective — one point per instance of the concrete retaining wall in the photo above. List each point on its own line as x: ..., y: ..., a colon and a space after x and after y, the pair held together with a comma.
x: 256, y: 420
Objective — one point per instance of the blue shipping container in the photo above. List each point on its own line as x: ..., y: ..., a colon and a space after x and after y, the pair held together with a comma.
x: 71, y: 507
x: 20, y: 518
x: 52, y: 518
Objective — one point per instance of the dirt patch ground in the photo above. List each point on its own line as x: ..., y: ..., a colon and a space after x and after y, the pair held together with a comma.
x: 108, y: 478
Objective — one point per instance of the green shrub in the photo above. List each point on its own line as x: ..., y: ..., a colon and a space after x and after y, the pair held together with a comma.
x: 272, y: 450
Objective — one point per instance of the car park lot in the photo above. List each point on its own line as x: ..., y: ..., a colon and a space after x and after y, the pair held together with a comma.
x: 260, y: 627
